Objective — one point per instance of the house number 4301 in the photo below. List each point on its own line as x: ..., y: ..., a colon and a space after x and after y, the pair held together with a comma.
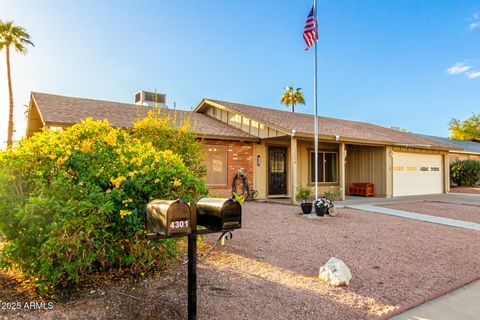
x: 179, y: 224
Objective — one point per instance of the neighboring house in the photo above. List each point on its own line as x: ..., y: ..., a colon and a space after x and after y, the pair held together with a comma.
x: 276, y: 148
x: 471, y: 149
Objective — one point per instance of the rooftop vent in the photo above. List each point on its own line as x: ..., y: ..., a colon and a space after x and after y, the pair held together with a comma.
x: 399, y: 129
x: 151, y: 99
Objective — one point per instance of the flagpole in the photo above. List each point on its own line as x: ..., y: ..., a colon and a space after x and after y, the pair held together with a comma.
x: 315, y: 100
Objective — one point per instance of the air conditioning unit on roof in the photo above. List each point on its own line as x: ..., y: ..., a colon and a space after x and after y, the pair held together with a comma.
x: 151, y: 99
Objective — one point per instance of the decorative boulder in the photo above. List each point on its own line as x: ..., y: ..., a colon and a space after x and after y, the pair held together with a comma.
x: 332, y: 212
x: 335, y: 272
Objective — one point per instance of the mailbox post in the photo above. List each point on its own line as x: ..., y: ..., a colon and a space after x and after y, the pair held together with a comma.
x: 192, y: 265
x: 174, y: 218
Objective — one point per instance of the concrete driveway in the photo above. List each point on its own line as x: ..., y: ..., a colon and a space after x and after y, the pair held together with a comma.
x: 457, y: 198
x: 458, y: 304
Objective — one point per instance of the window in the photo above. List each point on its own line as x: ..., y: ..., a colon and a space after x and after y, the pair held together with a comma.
x: 327, y: 167
x: 216, y: 163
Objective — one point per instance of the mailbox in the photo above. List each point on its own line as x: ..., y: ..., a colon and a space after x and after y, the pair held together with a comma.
x: 219, y: 214
x: 168, y: 217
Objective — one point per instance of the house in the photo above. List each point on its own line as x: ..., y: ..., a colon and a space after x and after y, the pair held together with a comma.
x: 396, y: 162
x: 276, y: 148
x: 469, y: 149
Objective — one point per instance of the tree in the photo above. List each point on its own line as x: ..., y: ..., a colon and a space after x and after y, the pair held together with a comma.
x: 18, y: 38
x: 291, y: 97
x: 468, y: 129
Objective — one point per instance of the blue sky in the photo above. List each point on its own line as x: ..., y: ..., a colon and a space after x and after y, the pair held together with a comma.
x: 410, y: 64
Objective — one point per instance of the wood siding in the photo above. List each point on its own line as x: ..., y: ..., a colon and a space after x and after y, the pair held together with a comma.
x: 367, y: 164
x: 255, y: 128
x: 35, y: 123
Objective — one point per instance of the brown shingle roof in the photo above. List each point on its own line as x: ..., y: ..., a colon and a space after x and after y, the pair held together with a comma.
x: 347, y: 130
x: 70, y: 110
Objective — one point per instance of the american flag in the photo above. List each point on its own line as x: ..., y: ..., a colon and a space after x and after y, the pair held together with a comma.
x: 310, y: 32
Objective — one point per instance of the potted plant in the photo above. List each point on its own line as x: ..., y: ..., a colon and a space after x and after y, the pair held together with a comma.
x: 321, y: 206
x: 331, y: 196
x: 303, y: 194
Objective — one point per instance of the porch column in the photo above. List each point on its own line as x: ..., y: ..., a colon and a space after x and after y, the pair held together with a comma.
x: 341, y: 171
x: 293, y: 159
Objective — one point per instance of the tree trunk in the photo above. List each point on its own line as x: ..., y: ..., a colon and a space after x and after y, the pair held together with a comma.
x: 293, y: 105
x: 10, y: 93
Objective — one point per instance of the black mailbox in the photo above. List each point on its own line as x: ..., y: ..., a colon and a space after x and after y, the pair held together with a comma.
x: 219, y: 214
x: 168, y: 217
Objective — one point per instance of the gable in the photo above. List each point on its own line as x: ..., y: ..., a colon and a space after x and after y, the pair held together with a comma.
x: 247, y: 124
x: 35, y: 122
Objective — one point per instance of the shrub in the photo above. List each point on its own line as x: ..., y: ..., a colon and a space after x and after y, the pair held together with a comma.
x: 73, y: 202
x: 465, y: 172
x: 303, y: 193
x: 171, y: 132
x: 332, y: 195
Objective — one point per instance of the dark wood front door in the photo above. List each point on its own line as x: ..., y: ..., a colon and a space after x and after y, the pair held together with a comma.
x: 277, y: 171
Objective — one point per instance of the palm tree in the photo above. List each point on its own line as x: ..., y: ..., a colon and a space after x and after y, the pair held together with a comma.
x: 18, y: 38
x: 291, y: 97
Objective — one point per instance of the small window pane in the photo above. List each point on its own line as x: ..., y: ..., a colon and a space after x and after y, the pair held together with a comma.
x: 330, y: 167
x: 216, y: 163
x: 312, y: 167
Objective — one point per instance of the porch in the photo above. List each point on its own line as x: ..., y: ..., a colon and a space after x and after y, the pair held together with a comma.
x: 285, y: 163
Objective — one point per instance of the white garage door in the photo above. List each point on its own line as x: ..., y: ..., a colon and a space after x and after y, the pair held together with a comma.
x: 416, y: 173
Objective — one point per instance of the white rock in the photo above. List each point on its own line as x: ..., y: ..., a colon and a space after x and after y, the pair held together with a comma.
x: 332, y: 212
x: 335, y: 272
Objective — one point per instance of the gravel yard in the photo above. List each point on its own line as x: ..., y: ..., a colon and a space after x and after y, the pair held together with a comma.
x: 269, y: 270
x: 440, y: 209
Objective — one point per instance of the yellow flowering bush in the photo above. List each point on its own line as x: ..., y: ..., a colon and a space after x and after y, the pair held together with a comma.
x: 72, y: 202
x: 171, y: 132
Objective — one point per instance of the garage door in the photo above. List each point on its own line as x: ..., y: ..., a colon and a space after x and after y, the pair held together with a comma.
x: 416, y: 174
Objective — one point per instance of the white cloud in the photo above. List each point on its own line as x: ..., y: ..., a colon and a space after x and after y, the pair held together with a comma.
x: 473, y: 75
x: 458, y: 68
x: 476, y: 21
x: 474, y: 25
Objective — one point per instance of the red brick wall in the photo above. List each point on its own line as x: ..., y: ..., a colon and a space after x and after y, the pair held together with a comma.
x: 239, y: 157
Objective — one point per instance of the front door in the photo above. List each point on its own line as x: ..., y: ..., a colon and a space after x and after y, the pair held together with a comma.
x: 277, y: 171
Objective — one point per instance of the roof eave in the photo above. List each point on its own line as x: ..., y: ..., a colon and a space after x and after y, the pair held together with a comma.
x: 465, y: 152
x: 230, y: 138
x: 371, y: 142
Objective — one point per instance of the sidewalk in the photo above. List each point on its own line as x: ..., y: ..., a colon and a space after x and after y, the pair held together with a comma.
x: 462, y: 303
x: 418, y: 216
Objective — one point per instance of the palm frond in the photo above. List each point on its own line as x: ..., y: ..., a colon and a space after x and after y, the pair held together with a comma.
x: 15, y: 36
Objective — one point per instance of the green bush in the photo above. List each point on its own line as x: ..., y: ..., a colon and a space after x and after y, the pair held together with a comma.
x: 465, y: 172
x: 73, y: 202
x: 303, y: 193
x: 332, y: 194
